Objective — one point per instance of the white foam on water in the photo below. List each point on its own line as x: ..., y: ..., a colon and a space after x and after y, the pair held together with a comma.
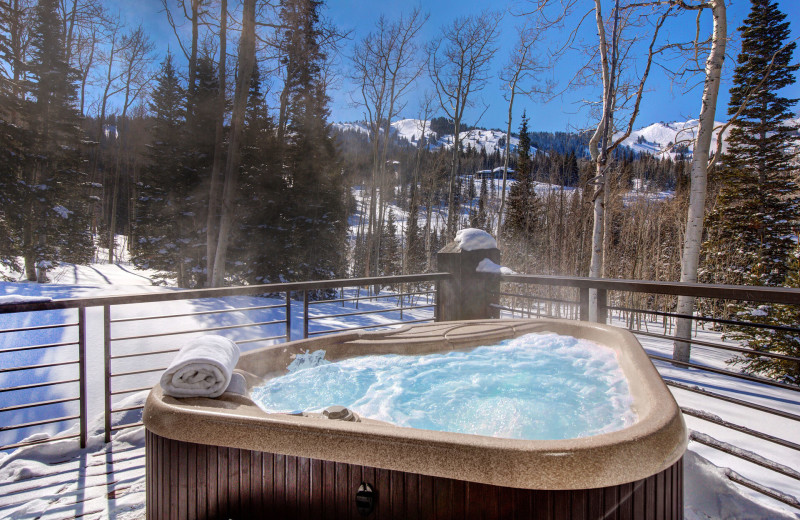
x: 537, y: 386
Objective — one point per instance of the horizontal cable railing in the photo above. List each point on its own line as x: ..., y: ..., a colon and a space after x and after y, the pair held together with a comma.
x: 27, y: 376
x: 515, y: 290
x: 130, y: 368
x: 135, y: 352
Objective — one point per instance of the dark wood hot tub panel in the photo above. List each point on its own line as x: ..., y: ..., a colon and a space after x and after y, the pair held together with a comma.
x: 186, y: 480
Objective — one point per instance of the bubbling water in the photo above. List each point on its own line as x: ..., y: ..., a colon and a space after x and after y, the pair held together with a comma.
x: 536, y: 386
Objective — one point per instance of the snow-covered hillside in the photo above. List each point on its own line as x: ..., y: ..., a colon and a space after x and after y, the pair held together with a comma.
x: 489, y: 140
x: 658, y: 138
x: 411, y: 131
x: 351, y: 127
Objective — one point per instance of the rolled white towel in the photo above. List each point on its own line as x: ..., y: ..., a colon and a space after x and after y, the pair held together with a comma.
x: 202, y: 368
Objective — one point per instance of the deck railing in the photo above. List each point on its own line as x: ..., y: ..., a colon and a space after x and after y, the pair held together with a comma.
x: 516, y: 289
x: 127, y: 369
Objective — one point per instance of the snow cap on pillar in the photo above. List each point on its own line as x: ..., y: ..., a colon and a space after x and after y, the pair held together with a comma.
x: 472, y: 239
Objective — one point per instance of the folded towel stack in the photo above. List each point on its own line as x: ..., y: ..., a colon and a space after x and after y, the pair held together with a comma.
x: 202, y: 368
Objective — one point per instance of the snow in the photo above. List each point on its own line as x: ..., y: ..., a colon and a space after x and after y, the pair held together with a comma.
x: 710, y: 495
x: 351, y: 127
x: 487, y: 266
x: 62, y: 211
x: 478, y: 139
x: 658, y: 136
x: 19, y: 298
x: 58, y: 480
x: 411, y: 130
x: 471, y: 239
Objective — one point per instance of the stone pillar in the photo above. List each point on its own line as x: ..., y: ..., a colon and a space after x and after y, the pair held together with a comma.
x: 467, y: 295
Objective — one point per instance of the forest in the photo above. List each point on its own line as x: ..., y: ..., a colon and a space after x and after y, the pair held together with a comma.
x: 217, y: 163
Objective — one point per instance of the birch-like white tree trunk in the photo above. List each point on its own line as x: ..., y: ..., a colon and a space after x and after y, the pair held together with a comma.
x: 599, y: 157
x: 697, y: 197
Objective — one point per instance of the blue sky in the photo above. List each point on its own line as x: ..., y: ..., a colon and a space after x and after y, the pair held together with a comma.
x: 664, y: 100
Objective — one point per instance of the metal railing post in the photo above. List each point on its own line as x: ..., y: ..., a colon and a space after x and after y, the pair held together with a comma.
x: 402, y: 290
x: 437, y: 285
x: 288, y: 316
x: 584, y: 303
x: 107, y: 370
x: 305, y: 314
x: 602, y: 306
x: 84, y: 434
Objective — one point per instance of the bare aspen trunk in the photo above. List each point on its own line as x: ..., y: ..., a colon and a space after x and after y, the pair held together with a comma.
x: 505, y: 166
x: 598, y: 155
x: 212, y: 222
x: 429, y: 209
x: 247, y: 58
x: 600, y: 158
x: 693, y: 236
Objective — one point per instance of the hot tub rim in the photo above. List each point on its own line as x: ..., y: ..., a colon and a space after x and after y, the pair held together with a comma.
x: 656, y: 441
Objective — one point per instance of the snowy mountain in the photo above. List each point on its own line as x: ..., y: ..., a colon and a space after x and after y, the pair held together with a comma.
x: 489, y: 140
x: 411, y: 131
x: 661, y: 138
x: 351, y: 127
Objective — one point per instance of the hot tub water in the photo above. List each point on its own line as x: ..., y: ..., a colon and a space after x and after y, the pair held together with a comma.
x: 536, y: 386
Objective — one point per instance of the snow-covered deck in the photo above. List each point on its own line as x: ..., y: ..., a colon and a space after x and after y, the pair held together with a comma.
x: 107, y: 481
x: 58, y: 480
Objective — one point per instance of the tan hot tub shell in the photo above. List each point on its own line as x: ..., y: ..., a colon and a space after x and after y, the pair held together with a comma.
x: 655, y: 442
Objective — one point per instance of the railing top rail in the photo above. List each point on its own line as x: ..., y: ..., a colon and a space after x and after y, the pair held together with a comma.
x: 219, y: 292
x: 786, y: 295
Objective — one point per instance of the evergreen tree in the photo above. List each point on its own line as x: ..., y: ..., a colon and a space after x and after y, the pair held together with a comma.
x: 314, y: 209
x: 571, y: 175
x: 198, y: 153
x: 750, y: 230
x: 520, y: 215
x: 758, y: 202
x: 256, y: 253
x: 483, y: 219
x: 55, y: 200
x: 164, y: 225
x: 13, y: 139
x: 390, y: 247
x: 415, y: 244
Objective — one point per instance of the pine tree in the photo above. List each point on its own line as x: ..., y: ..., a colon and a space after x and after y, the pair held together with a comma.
x: 315, y: 210
x: 758, y: 202
x: 415, y: 245
x: 749, y: 239
x: 260, y: 237
x: 390, y: 247
x: 482, y: 218
x: 520, y: 215
x: 162, y: 224
x: 55, y: 200
x: 13, y: 139
x: 571, y: 175
x: 198, y: 154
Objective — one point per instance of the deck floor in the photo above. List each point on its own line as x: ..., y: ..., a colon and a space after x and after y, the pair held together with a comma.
x: 107, y: 481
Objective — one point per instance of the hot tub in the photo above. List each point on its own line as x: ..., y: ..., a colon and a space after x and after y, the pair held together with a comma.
x: 225, y: 457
